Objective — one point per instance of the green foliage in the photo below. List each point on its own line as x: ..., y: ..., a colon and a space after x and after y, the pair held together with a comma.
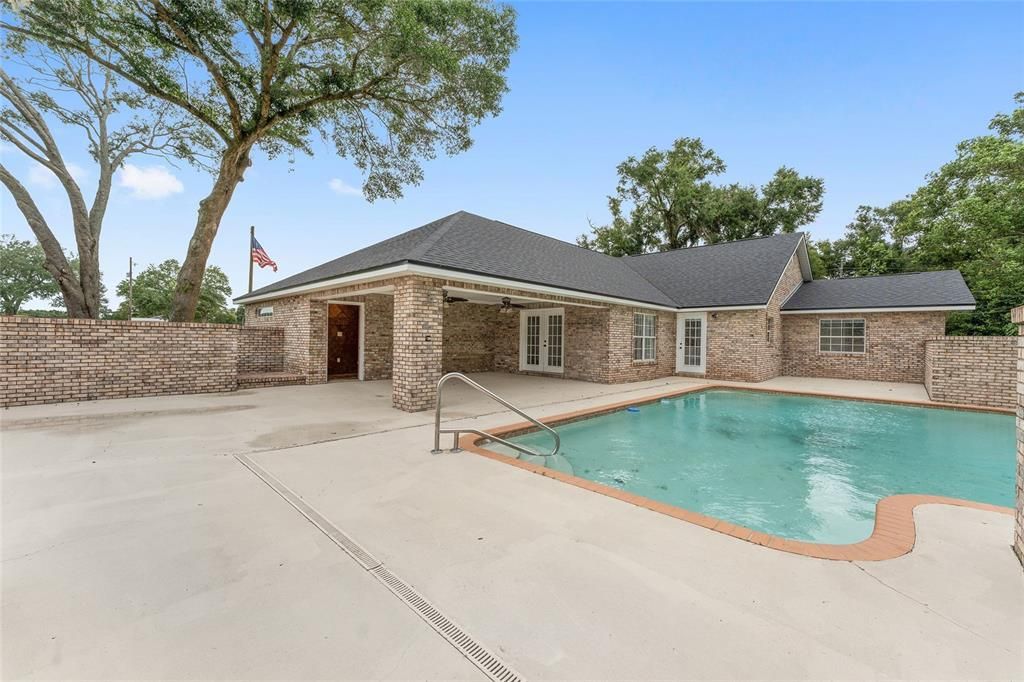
x: 385, y: 81
x: 43, y: 313
x: 22, y: 274
x: 666, y: 200
x: 153, y: 292
x: 969, y: 215
x: 388, y: 82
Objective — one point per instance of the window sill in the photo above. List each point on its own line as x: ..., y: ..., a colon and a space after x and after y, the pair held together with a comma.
x: 645, y: 362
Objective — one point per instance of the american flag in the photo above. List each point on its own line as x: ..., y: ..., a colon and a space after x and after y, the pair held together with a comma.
x: 260, y: 257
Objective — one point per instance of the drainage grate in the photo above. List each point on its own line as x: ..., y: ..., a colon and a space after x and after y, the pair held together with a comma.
x: 351, y: 547
x: 491, y: 665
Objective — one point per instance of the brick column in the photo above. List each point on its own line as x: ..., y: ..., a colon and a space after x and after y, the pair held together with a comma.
x: 316, y: 370
x: 1018, y: 533
x: 418, y: 326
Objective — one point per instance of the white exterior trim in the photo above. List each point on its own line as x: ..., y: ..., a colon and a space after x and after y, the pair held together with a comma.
x: 542, y: 353
x: 854, y: 311
x: 681, y: 318
x: 462, y: 290
x: 411, y: 269
x: 326, y: 284
x: 805, y: 272
x: 362, y: 331
x: 536, y: 288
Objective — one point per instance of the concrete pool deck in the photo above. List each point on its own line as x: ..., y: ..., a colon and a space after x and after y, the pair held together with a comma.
x: 135, y: 546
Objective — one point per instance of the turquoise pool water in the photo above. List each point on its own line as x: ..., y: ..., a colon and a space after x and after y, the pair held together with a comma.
x: 798, y: 467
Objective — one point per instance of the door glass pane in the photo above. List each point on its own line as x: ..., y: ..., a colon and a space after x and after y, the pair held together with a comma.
x: 692, y: 342
x: 533, y: 340
x: 554, y: 341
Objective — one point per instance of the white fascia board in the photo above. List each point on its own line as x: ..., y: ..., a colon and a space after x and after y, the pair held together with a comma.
x: 805, y: 268
x: 905, y: 309
x: 441, y: 273
x: 370, y: 276
x: 523, y: 286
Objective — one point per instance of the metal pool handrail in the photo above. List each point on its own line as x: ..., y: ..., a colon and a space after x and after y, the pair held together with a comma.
x: 455, y: 444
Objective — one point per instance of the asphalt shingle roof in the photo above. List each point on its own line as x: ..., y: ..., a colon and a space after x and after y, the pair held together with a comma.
x: 909, y: 290
x: 736, y: 273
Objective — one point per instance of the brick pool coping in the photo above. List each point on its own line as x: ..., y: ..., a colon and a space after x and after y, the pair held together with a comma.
x: 894, y: 532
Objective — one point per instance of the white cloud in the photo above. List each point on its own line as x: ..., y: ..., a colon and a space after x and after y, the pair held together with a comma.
x: 41, y: 176
x: 155, y: 182
x: 339, y: 186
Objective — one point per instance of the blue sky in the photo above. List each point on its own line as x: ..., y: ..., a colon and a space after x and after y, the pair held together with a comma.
x: 869, y: 96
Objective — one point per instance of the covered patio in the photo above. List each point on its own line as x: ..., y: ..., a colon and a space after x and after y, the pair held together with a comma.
x: 412, y: 330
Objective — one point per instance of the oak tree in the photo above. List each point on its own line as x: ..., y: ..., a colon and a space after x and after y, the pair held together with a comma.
x: 387, y: 82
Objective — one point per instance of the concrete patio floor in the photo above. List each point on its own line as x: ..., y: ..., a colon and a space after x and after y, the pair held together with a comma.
x: 136, y: 546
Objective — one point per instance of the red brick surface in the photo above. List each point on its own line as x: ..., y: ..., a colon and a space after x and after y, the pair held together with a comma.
x: 972, y: 370
x: 47, y: 360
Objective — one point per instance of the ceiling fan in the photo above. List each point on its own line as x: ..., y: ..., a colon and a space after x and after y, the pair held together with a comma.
x: 452, y: 299
x: 507, y: 305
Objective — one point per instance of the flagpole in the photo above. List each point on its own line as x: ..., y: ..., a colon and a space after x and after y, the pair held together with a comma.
x: 252, y: 236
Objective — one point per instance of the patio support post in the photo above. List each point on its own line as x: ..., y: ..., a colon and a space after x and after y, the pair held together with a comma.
x: 416, y: 364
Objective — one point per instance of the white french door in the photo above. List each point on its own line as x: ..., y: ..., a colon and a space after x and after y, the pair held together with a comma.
x: 542, y: 340
x: 691, y: 342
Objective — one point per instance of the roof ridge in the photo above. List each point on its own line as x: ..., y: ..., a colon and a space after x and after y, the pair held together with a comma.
x: 432, y: 238
x: 731, y: 241
x: 887, y: 274
x: 641, y: 276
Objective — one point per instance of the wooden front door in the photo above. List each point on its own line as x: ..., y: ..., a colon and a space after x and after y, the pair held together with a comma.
x: 342, y: 340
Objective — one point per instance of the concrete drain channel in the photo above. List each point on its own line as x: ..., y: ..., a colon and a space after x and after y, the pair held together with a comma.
x: 478, y: 654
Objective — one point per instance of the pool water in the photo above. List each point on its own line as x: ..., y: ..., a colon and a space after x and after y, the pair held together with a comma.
x: 799, y: 467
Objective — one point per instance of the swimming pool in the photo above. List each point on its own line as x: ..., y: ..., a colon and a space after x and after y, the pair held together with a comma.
x: 798, y: 467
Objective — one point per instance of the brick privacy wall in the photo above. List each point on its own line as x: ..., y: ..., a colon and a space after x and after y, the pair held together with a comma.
x: 48, y: 360
x: 972, y: 370
x: 260, y: 350
x: 895, y: 347
x: 418, y: 324
x: 293, y: 315
x: 1018, y: 533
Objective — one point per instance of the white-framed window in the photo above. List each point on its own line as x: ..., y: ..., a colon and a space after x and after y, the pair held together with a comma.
x: 644, y: 325
x: 769, y: 330
x: 841, y: 336
x: 265, y: 311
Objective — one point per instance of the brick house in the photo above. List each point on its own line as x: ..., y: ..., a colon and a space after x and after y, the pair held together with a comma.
x: 466, y: 293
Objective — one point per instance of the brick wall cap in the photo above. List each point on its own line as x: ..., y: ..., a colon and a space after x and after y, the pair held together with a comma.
x: 25, y: 319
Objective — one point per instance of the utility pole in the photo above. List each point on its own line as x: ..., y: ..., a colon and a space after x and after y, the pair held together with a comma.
x: 129, y: 287
x: 252, y: 238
